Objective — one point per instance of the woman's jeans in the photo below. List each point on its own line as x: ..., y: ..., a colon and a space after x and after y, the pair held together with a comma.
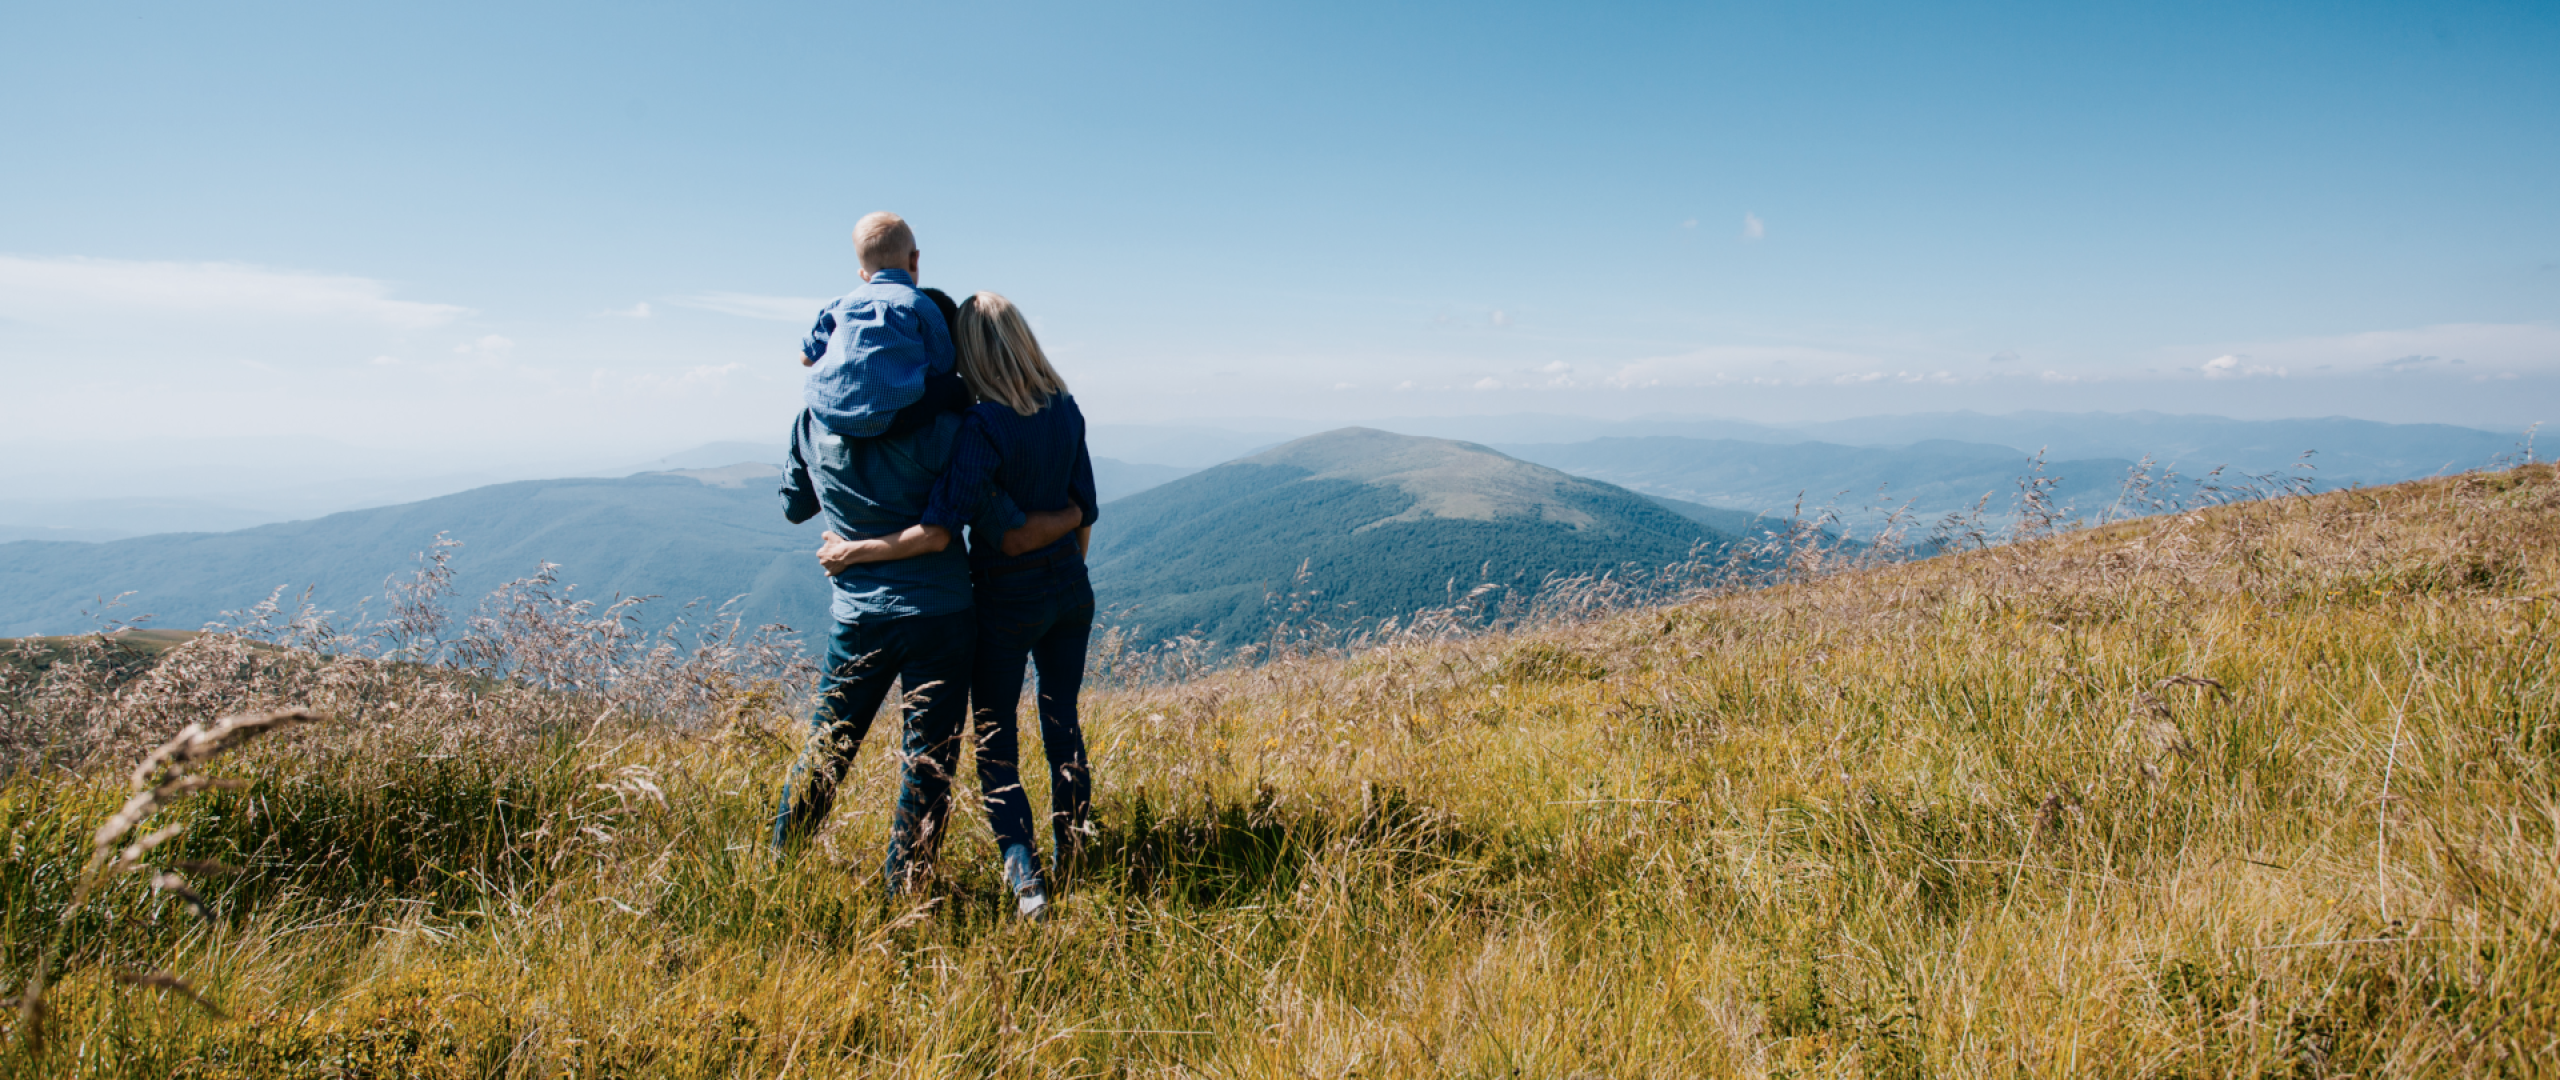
x: 1046, y: 614
x: 930, y: 655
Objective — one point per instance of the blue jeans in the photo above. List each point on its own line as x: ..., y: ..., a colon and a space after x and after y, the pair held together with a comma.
x: 930, y: 654
x: 1046, y: 614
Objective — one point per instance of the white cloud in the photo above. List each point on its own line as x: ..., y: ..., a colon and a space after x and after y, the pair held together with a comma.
x: 1405, y: 385
x: 1557, y: 368
x: 384, y: 361
x: 1488, y: 383
x: 1753, y: 228
x: 1342, y: 386
x: 48, y: 289
x: 1689, y: 224
x: 2234, y: 365
x: 789, y: 309
x: 1500, y: 318
x: 635, y: 311
x: 487, y: 345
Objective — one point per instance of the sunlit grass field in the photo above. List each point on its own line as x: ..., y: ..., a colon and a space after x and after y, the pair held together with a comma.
x: 2270, y: 789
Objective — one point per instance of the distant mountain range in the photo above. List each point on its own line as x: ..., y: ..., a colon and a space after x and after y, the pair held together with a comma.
x: 1382, y: 524
x: 137, y: 486
x: 712, y: 535
x: 2346, y: 451
x: 1860, y: 485
x: 1385, y: 522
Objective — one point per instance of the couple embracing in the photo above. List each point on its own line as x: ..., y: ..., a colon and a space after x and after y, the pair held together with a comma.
x: 928, y: 420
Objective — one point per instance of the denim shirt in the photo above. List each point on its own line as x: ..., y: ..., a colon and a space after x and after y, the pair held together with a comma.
x: 875, y: 487
x: 871, y: 352
x: 1006, y: 460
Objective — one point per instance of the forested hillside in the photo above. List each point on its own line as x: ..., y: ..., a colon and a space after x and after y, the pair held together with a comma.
x: 1381, y: 525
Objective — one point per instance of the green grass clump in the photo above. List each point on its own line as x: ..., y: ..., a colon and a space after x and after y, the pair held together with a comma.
x: 2264, y: 790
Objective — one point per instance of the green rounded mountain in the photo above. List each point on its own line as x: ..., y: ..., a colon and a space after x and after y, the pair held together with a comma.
x: 1382, y: 525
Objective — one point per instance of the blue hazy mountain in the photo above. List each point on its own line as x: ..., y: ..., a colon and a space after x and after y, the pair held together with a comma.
x: 683, y: 537
x: 1858, y: 483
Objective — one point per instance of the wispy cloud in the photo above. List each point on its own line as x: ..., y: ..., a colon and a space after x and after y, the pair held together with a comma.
x: 2476, y: 351
x: 1747, y: 365
x: 635, y: 311
x: 51, y: 289
x: 790, y: 309
x: 1753, y: 228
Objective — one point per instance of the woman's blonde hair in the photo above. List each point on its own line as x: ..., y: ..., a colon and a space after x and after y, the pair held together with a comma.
x: 1000, y: 358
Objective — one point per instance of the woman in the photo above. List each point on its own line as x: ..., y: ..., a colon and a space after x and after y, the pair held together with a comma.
x: 1024, y: 438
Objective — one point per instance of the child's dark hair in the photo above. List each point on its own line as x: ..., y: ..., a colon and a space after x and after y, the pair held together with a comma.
x: 950, y: 310
x: 942, y: 393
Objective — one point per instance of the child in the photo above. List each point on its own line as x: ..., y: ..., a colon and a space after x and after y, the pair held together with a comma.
x: 881, y: 358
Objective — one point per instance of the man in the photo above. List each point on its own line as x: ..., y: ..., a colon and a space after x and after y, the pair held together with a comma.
x: 905, y: 622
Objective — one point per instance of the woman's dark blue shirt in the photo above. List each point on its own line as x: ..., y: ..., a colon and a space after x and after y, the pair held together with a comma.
x: 1038, y: 460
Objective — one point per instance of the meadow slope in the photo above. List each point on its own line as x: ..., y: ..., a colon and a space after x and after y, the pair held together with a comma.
x: 2265, y: 789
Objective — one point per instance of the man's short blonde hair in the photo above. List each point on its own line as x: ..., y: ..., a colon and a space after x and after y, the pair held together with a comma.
x: 882, y: 241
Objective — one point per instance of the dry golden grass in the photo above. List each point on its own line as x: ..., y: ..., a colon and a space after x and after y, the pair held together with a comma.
x: 2266, y: 789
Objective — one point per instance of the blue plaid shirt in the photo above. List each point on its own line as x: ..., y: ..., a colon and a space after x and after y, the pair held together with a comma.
x: 871, y: 352
x: 1004, y: 460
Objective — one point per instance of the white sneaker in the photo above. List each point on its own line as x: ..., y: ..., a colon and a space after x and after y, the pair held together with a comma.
x: 1032, y: 903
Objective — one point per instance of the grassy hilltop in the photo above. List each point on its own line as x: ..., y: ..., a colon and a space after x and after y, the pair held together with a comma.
x: 1391, y: 523
x: 2263, y: 790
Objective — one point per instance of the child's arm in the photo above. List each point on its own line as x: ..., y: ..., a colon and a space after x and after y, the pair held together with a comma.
x: 815, y: 345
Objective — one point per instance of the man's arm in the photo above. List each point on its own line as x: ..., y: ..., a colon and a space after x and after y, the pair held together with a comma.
x: 1042, y: 529
x: 799, y: 489
x: 836, y: 553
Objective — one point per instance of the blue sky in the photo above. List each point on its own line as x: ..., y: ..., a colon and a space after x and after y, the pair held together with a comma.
x: 536, y: 228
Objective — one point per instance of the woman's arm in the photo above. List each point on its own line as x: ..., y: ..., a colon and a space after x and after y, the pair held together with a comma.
x: 836, y: 553
x: 1041, y: 530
